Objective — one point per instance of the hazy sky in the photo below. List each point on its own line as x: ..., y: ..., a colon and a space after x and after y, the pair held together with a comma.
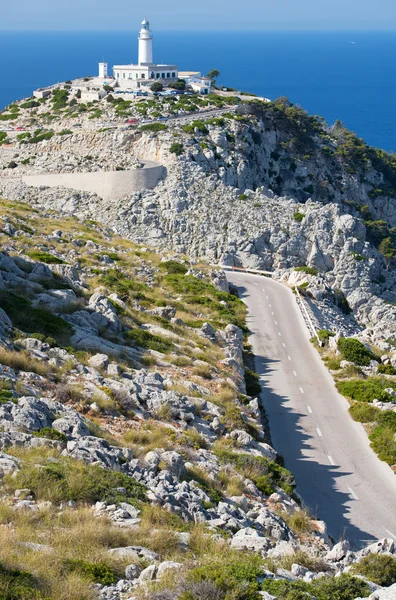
x: 199, y: 14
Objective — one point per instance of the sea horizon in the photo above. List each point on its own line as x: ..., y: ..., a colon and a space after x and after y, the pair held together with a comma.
x: 338, y: 74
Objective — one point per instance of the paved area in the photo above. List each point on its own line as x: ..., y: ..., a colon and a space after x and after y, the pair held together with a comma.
x: 338, y: 476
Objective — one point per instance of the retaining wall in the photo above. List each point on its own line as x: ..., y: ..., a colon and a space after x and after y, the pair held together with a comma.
x: 109, y: 185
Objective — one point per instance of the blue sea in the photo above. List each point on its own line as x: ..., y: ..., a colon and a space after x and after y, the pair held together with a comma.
x: 340, y: 75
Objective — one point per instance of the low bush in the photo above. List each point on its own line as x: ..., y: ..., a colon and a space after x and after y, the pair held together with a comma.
x: 382, y: 437
x: 95, y: 572
x: 263, y: 472
x: 366, y: 390
x: 155, y: 127
x: 235, y: 579
x: 306, y: 270
x: 29, y: 319
x: 51, y: 434
x: 252, y: 379
x: 386, y: 370
x: 344, y: 587
x: 325, y: 334
x: 18, y: 585
x: 363, y: 412
x: 173, y: 267
x: 298, y: 217
x: 44, y: 257
x: 379, y: 568
x: 355, y: 351
x: 144, y: 339
x: 69, y: 479
x: 176, y: 148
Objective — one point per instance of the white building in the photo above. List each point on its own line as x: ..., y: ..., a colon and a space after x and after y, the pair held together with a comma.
x: 196, y: 81
x: 145, y: 72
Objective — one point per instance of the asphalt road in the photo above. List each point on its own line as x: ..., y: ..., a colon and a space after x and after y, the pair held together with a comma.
x: 338, y: 476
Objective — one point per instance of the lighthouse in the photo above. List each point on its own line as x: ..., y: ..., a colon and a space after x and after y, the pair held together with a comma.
x: 145, y: 44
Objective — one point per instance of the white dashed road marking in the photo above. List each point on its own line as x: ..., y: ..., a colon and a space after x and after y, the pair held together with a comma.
x: 276, y: 322
x: 352, y: 493
x: 309, y: 410
x: 288, y: 357
x: 284, y: 345
x: 319, y: 432
x: 279, y: 333
x: 331, y: 461
x: 301, y: 390
x: 295, y: 374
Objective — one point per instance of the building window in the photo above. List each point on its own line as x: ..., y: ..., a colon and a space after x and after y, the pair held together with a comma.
x: 123, y: 75
x: 118, y: 75
x: 130, y: 76
x: 163, y: 75
x: 158, y: 75
x: 168, y: 74
x: 173, y: 74
x: 152, y: 76
x: 143, y: 75
x: 136, y: 75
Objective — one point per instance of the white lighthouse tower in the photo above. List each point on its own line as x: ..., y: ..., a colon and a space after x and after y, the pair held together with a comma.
x: 145, y: 44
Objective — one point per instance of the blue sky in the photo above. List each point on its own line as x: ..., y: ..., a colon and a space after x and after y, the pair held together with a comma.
x: 200, y: 15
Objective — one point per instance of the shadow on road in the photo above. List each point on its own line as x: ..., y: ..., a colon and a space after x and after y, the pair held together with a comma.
x: 316, y: 483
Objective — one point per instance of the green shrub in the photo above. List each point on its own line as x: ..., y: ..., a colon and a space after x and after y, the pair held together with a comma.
x: 355, y: 351
x: 364, y: 412
x: 30, y: 104
x: 325, y: 334
x: 366, y: 390
x: 386, y: 370
x: 51, y: 434
x: 379, y: 568
x: 29, y: 319
x: 257, y: 467
x: 95, y: 572
x: 65, y: 132
x: 145, y: 339
x: 18, y: 585
x: 306, y: 270
x: 176, y: 148
x: 69, y: 479
x: 298, y: 216
x: 39, y: 137
x: 153, y: 127
x: 116, y: 281
x: 173, y: 267
x: 252, y: 379
x: 325, y: 588
x: 382, y: 438
x: 236, y: 579
x: 242, y: 197
x: 44, y: 257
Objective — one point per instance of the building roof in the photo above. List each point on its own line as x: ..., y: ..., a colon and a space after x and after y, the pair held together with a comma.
x: 189, y: 73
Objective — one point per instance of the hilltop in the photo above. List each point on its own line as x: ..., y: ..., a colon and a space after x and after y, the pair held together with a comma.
x: 135, y: 454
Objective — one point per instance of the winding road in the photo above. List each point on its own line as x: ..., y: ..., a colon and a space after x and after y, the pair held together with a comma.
x: 338, y: 476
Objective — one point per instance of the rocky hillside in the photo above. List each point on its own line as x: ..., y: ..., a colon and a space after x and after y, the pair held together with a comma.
x: 262, y: 185
x: 134, y: 462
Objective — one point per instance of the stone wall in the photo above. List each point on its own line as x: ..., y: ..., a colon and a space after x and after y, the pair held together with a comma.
x: 109, y: 185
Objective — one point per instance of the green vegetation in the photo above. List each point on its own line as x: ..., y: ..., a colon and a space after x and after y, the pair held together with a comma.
x: 364, y: 412
x: 379, y: 568
x: 44, y: 257
x: 237, y: 578
x: 355, y: 351
x: 18, y: 585
x: 69, y: 479
x: 263, y: 472
x: 143, y: 339
x: 325, y: 334
x: 39, y: 136
x: 173, y: 267
x: 306, y: 270
x: 366, y: 390
x: 156, y: 86
x: 298, y: 216
x: 29, y: 319
x: 155, y: 127
x: 51, y: 434
x: 344, y: 587
x: 252, y: 379
x: 383, y: 437
x: 95, y: 572
x: 176, y: 148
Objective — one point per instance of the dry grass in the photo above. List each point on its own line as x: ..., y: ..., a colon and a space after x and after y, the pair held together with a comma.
x: 300, y: 521
x: 21, y: 361
x: 149, y: 437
